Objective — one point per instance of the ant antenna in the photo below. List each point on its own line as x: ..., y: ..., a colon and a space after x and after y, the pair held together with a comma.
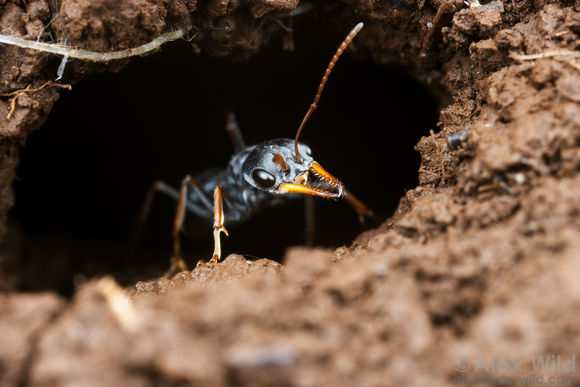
x: 333, y: 61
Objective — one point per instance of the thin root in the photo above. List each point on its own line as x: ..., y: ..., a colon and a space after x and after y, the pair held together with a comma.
x: 572, y: 63
x: 289, y: 40
x: 92, y: 56
x: 562, y: 55
x: 546, y: 54
x: 27, y: 89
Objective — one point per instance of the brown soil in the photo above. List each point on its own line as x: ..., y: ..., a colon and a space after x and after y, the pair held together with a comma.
x: 480, y: 259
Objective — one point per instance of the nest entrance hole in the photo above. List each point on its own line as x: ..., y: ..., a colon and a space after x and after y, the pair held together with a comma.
x: 83, y: 176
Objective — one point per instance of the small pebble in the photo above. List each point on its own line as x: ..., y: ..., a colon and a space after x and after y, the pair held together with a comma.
x: 520, y: 178
x: 455, y: 140
x: 380, y: 269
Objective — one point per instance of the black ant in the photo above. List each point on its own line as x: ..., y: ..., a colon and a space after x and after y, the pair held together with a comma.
x: 256, y: 176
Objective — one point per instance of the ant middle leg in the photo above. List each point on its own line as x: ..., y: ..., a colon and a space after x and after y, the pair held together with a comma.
x: 200, y: 208
x: 177, y: 262
x: 157, y: 187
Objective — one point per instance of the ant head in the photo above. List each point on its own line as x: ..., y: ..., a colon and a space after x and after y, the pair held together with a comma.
x: 285, y: 166
x: 272, y: 167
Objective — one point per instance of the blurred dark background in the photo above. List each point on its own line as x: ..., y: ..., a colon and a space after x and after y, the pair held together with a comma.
x: 84, y: 175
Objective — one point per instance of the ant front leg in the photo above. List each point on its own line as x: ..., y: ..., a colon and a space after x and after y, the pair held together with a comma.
x: 361, y: 209
x: 310, y: 220
x: 218, y: 223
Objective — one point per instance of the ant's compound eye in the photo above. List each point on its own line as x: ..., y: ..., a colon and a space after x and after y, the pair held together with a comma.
x: 263, y: 179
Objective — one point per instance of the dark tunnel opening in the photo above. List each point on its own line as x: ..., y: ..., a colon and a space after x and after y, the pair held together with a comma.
x: 83, y: 176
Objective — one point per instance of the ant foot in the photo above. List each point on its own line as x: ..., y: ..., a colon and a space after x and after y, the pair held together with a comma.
x: 177, y: 266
